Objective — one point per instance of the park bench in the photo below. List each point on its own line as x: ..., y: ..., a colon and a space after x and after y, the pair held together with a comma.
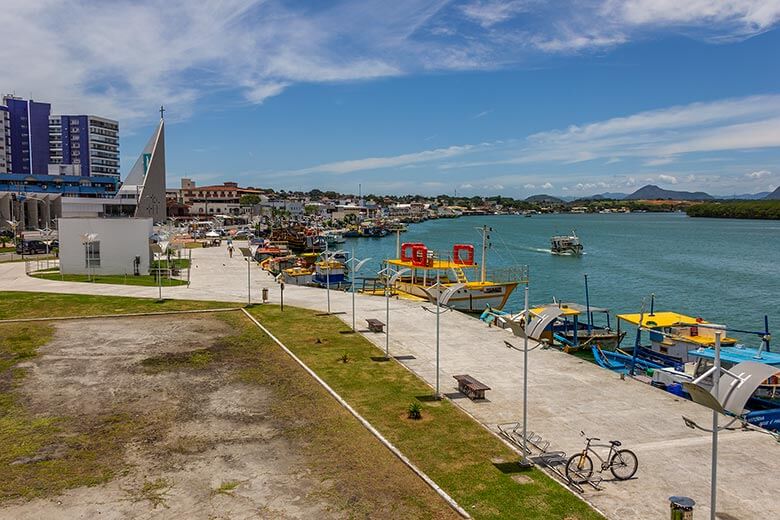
x: 375, y: 325
x: 471, y: 387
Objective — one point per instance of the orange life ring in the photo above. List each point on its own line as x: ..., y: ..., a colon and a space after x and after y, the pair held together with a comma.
x: 406, y: 250
x: 458, y: 258
x: 419, y: 255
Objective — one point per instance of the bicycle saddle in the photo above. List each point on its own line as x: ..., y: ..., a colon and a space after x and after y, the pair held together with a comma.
x: 615, y: 443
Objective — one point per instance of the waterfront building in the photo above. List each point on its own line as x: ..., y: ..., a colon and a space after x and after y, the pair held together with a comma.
x: 205, y: 201
x: 89, y: 143
x: 28, y: 135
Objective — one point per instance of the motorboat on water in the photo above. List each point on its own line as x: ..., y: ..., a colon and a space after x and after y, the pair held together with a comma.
x: 566, y: 245
x: 333, y: 237
x: 431, y: 274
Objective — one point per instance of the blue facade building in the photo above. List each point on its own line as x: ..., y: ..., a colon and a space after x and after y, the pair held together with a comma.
x: 89, y: 142
x: 28, y: 136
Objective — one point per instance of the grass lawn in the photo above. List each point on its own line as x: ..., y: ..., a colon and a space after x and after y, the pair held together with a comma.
x: 193, y: 245
x: 44, y: 305
x: 474, y: 467
x: 9, y: 249
x: 145, y: 280
x: 178, y: 263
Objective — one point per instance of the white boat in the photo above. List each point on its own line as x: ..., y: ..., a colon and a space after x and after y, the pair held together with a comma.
x: 333, y: 237
x: 566, y: 245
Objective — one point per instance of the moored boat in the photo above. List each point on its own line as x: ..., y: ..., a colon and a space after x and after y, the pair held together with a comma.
x: 426, y: 267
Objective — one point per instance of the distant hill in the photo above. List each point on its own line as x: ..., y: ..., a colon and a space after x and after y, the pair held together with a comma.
x: 746, y: 196
x: 651, y: 192
x: 549, y: 199
x: 775, y: 195
x: 605, y: 196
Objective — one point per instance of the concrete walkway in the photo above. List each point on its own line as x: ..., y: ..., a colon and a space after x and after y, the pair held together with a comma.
x: 566, y: 395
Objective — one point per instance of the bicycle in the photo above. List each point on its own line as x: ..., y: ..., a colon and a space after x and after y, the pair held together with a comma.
x: 622, y: 463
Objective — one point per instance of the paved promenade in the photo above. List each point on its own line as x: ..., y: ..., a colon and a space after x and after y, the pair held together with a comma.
x: 566, y: 395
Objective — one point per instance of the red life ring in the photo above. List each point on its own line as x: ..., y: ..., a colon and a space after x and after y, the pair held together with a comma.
x: 419, y: 255
x: 458, y: 258
x: 406, y: 250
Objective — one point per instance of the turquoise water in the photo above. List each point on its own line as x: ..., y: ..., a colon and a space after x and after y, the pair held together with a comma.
x: 727, y: 271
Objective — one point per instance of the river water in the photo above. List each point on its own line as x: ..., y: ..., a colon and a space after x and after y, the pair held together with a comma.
x: 725, y: 270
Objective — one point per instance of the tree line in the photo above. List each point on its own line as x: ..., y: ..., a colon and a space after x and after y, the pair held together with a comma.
x: 757, y: 209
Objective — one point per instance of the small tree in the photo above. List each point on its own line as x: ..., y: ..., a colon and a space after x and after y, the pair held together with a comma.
x: 250, y: 199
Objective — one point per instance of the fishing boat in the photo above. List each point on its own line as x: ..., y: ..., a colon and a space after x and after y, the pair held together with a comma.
x: 329, y: 272
x: 672, y: 336
x: 566, y: 245
x: 572, y: 332
x: 297, y: 275
x: 430, y: 274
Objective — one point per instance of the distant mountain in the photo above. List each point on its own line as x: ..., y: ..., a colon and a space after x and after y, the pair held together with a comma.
x: 549, y: 199
x: 746, y: 196
x: 775, y: 195
x: 651, y: 192
x: 605, y: 196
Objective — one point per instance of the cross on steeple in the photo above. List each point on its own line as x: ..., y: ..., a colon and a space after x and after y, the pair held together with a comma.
x: 162, y: 112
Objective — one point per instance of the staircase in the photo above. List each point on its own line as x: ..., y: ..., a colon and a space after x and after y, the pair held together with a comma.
x: 460, y: 275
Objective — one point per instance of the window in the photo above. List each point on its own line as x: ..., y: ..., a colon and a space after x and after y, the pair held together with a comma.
x: 92, y: 253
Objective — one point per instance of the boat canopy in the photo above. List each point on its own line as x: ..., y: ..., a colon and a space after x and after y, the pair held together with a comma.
x: 738, y: 355
x: 436, y: 265
x: 571, y: 309
x: 661, y: 319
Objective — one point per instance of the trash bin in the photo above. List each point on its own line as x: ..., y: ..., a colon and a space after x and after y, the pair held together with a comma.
x: 265, y: 294
x: 682, y: 508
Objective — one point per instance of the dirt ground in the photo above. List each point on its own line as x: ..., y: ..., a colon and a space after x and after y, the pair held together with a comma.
x: 207, y: 445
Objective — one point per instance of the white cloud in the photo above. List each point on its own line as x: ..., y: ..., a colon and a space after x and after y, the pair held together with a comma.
x: 529, y: 186
x: 547, y: 185
x: 669, y: 179
x: 759, y: 174
x: 482, y: 114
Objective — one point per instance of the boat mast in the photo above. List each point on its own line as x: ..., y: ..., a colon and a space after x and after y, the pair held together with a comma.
x: 485, y: 237
x: 587, y: 307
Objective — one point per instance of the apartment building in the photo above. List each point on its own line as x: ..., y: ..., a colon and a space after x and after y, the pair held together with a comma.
x: 89, y: 143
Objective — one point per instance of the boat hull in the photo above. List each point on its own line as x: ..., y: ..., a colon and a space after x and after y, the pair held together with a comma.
x: 469, y: 298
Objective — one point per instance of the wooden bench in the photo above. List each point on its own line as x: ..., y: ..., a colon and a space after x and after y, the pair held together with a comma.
x: 472, y: 388
x: 375, y: 325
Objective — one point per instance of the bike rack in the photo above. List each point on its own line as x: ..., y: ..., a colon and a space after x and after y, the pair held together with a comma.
x: 555, y: 461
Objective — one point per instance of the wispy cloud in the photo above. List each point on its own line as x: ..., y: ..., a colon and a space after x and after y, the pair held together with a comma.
x: 488, y: 13
x: 375, y: 163
x: 482, y: 114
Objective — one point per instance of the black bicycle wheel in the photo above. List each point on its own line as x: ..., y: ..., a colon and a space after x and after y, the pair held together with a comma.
x: 579, y: 468
x: 623, y: 464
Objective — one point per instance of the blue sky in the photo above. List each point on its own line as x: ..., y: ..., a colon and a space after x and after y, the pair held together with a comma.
x: 479, y: 96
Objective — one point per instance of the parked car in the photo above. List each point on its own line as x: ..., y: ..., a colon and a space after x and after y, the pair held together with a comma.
x: 30, y: 247
x: 243, y: 234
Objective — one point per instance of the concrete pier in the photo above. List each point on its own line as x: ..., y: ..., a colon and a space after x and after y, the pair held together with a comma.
x: 566, y: 395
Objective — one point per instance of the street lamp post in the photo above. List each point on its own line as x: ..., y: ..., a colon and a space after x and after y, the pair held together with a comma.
x: 354, y: 267
x: 715, y: 388
x: 442, y: 298
x: 525, y: 373
x: 390, y: 279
